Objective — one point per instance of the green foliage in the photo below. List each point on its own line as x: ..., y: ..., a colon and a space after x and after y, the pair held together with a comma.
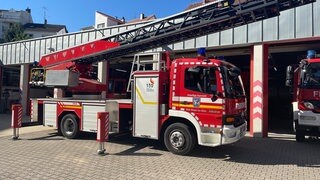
x: 15, y: 33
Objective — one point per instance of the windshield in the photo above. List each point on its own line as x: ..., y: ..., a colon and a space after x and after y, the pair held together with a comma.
x: 311, y: 75
x: 233, y: 85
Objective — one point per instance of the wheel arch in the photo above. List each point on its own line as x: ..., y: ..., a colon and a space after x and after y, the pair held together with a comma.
x: 183, y: 117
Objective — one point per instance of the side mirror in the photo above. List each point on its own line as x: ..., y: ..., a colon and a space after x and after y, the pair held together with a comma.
x: 214, y: 98
x: 289, y: 76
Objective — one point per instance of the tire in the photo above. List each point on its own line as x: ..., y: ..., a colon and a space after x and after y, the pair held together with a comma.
x: 294, y: 125
x: 300, y: 135
x: 179, y: 139
x: 69, y: 126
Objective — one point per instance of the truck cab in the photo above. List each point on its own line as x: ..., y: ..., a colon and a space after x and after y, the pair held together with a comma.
x: 210, y: 95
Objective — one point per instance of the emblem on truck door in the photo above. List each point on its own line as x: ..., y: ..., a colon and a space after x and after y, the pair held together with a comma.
x: 150, y: 83
x: 196, y: 102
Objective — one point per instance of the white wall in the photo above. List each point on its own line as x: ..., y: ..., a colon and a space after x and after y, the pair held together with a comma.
x: 101, y: 18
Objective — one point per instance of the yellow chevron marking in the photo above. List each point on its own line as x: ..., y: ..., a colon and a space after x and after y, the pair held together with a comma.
x: 141, y: 98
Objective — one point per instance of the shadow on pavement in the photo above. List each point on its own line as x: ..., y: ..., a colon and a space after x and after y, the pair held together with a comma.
x: 267, y: 151
x: 127, y: 139
x: 277, y: 149
x: 50, y: 136
x: 133, y: 152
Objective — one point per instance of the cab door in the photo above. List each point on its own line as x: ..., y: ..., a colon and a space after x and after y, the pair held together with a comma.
x: 201, y: 94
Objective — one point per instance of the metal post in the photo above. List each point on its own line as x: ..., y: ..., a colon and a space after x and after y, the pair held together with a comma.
x: 101, y: 148
x: 102, y: 131
x: 16, y: 120
x: 15, y: 133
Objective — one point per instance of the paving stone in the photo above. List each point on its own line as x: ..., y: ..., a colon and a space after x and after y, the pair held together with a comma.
x: 45, y: 155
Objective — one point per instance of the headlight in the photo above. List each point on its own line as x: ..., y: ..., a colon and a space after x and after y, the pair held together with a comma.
x: 308, y: 105
x: 211, y: 130
x: 308, y: 118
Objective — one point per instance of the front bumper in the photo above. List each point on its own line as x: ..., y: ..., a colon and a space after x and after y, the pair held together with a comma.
x: 229, y: 134
x: 308, y: 118
x: 232, y: 134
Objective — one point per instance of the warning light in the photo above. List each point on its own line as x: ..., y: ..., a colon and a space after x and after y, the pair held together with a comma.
x: 311, y: 54
x: 202, y: 52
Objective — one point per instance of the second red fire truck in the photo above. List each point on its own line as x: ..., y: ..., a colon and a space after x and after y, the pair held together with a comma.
x: 304, y: 79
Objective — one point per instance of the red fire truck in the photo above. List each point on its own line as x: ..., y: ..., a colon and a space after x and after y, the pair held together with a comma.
x: 304, y: 80
x: 184, y: 102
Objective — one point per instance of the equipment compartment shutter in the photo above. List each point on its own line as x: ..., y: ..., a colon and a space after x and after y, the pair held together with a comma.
x: 50, y: 114
x: 146, y: 106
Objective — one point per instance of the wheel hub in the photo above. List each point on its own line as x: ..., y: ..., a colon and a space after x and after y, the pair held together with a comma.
x: 69, y: 126
x: 177, y: 139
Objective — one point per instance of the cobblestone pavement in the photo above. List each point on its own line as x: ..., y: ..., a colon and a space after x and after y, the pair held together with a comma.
x: 45, y: 155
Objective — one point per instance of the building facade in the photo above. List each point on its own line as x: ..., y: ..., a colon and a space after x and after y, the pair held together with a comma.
x: 37, y: 30
x: 10, y: 17
x: 257, y: 48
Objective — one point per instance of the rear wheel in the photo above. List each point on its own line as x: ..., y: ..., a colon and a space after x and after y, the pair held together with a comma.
x: 179, y: 139
x: 69, y: 126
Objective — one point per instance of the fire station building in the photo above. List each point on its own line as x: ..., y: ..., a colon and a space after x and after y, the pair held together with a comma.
x: 262, y: 50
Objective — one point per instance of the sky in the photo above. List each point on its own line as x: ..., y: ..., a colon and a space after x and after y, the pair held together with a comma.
x: 76, y: 14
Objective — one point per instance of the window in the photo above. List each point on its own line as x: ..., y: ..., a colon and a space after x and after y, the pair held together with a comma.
x: 11, y: 76
x: 201, y: 79
x: 232, y: 83
x: 311, y: 75
x: 101, y: 25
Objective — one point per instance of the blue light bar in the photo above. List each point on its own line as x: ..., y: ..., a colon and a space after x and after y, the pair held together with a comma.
x: 311, y: 54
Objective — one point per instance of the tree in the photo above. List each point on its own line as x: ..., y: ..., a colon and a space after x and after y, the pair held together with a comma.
x: 15, y: 33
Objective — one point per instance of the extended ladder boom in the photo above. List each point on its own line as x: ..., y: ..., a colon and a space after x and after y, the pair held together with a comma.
x: 212, y: 17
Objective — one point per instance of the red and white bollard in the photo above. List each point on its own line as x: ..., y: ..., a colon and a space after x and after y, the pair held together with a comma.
x: 102, y: 130
x: 16, y: 120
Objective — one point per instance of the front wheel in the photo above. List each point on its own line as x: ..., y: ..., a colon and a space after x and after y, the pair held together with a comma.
x: 300, y: 135
x: 179, y: 139
x: 69, y: 126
